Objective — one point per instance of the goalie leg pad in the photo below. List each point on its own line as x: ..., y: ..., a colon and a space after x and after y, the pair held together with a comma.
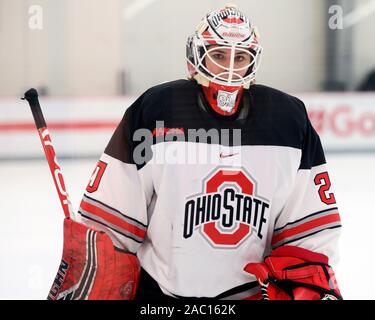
x: 92, y: 268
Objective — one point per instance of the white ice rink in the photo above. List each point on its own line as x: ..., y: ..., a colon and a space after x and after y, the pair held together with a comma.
x: 31, y: 223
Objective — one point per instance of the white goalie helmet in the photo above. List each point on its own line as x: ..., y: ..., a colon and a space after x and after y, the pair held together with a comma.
x: 229, y: 30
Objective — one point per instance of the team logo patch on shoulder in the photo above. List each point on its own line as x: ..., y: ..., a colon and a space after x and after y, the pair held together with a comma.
x: 228, y: 210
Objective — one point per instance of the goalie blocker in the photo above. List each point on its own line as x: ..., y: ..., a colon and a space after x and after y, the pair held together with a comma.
x: 293, y: 273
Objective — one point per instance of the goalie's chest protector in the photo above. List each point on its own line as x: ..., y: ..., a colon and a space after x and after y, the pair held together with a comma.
x: 214, y: 185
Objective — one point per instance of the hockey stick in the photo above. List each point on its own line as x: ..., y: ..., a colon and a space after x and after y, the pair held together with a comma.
x: 91, y: 267
x: 32, y: 98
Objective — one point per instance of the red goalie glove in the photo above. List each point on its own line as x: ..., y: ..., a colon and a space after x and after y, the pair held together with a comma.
x: 92, y: 268
x: 292, y: 273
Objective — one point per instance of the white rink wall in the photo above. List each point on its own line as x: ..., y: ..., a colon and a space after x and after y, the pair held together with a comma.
x: 31, y: 233
x: 81, y: 127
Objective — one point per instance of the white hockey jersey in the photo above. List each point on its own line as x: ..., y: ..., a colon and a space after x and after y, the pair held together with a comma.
x: 196, y: 211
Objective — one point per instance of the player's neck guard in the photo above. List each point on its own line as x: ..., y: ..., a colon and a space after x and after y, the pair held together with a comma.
x: 223, y: 99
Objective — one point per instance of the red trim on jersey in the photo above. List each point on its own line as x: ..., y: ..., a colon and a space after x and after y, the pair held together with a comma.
x: 113, y: 219
x: 301, y: 253
x: 306, y: 226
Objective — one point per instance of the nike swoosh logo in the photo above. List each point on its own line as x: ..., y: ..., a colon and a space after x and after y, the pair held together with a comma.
x: 222, y: 155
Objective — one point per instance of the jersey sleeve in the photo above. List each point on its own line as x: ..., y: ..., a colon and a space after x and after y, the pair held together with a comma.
x: 116, y: 198
x: 310, y: 217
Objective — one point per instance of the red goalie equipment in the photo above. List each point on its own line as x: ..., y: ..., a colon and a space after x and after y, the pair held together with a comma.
x: 92, y: 268
x: 293, y: 273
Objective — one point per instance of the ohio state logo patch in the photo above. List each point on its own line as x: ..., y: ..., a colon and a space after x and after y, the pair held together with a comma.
x: 226, y: 100
x: 228, y: 210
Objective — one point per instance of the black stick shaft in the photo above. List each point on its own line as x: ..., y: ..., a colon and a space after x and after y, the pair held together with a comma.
x: 32, y: 98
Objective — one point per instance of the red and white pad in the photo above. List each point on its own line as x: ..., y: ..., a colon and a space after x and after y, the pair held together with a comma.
x: 92, y: 268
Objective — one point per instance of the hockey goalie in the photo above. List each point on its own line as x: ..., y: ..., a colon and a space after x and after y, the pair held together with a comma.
x: 259, y: 222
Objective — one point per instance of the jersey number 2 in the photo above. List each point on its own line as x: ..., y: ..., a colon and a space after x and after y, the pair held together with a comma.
x: 96, y: 177
x: 322, y: 180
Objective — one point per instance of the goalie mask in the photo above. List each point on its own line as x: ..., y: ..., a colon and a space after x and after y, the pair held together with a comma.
x: 223, y: 56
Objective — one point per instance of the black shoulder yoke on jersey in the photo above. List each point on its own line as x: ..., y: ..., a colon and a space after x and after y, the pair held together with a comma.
x: 273, y: 118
